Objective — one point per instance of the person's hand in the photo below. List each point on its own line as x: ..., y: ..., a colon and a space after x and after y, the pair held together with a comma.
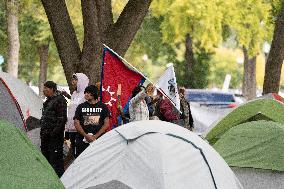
x: 142, y: 87
x: 90, y: 138
x: 63, y: 92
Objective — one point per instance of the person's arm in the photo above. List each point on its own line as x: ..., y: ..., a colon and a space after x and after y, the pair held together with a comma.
x: 64, y: 93
x: 103, y: 129
x: 140, y: 96
x: 80, y: 130
x: 61, y: 115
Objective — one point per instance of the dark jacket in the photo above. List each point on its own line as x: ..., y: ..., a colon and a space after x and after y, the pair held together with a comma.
x: 54, y: 113
x: 149, y: 102
x: 186, y: 113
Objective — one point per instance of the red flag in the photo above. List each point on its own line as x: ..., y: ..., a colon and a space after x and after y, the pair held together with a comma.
x: 115, y: 72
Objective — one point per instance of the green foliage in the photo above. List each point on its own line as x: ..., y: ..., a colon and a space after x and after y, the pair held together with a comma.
x: 222, y: 63
x: 249, y: 19
x: 3, y: 35
x: 276, y: 6
x: 148, y: 52
x: 149, y: 40
x: 199, y: 76
x: 202, y: 20
x: 28, y: 64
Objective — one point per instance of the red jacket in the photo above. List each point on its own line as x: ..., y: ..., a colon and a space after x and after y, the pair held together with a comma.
x: 168, y: 111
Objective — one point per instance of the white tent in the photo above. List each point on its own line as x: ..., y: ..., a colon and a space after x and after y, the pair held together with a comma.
x: 150, y: 154
x: 30, y: 105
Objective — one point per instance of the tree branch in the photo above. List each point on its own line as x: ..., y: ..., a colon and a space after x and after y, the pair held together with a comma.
x: 123, y: 31
x: 105, y: 16
x: 63, y: 34
x: 92, y: 46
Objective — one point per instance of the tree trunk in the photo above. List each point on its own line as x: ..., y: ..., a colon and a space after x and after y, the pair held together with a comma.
x: 275, y: 58
x: 189, y: 59
x: 43, y: 57
x: 13, y: 37
x: 64, y: 36
x: 98, y: 29
x: 249, y: 80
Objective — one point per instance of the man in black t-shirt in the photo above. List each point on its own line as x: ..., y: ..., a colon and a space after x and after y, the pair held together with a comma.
x: 91, y: 119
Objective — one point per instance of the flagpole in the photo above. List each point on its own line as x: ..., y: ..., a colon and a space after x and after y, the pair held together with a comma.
x: 140, y: 74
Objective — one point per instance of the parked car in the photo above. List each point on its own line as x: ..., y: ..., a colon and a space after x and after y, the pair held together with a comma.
x: 211, y: 98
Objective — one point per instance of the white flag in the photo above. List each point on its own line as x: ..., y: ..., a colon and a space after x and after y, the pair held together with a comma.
x: 168, y: 83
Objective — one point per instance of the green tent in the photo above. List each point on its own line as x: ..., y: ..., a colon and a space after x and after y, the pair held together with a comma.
x: 22, y: 165
x: 255, y: 152
x: 259, y: 109
x: 257, y: 144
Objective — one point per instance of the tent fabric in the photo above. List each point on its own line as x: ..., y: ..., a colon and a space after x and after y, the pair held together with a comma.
x: 259, y: 178
x: 257, y: 144
x: 114, y: 184
x: 27, y: 115
x: 10, y: 110
x: 259, y: 109
x: 273, y: 96
x: 30, y: 103
x: 22, y: 165
x: 33, y: 130
x: 150, y: 154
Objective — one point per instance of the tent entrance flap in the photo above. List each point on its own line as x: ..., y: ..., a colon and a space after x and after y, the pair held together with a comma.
x: 10, y: 110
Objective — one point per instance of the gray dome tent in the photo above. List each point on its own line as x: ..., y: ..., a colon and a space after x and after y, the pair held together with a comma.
x: 150, y: 154
x: 20, y: 105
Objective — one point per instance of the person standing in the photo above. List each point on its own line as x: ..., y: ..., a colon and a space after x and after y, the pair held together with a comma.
x: 91, y: 119
x: 79, y: 82
x: 53, y: 120
x: 165, y: 110
x: 186, y: 115
x: 138, y: 109
x: 150, y: 100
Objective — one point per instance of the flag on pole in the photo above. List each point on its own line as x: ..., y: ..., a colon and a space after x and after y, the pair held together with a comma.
x: 117, y: 77
x: 167, y: 82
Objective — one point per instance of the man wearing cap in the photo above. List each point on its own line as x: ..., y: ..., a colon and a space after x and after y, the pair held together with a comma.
x: 91, y: 119
x: 54, y: 117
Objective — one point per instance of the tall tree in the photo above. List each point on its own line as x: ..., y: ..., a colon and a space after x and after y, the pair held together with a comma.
x: 249, y: 21
x: 13, y: 36
x: 249, y: 80
x: 275, y: 58
x: 195, y: 24
x: 99, y: 28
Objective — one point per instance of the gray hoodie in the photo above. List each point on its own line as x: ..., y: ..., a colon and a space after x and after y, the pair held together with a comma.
x: 76, y: 98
